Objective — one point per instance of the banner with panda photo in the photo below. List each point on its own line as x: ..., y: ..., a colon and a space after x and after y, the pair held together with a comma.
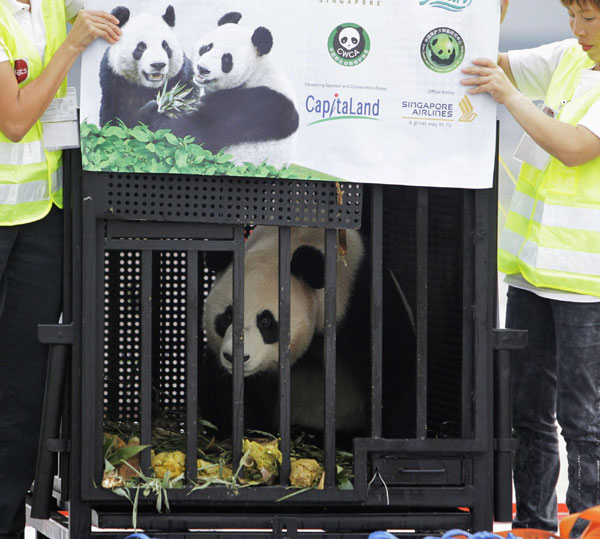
x: 350, y: 90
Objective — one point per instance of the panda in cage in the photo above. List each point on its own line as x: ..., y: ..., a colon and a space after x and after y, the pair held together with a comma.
x: 136, y: 68
x: 349, y: 41
x: 247, y: 104
x: 307, y: 319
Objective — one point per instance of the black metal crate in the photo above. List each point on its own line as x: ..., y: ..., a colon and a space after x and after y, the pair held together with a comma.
x: 138, y: 284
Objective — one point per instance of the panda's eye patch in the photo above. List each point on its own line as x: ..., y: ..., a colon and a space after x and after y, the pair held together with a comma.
x: 167, y: 49
x: 223, y: 321
x: 268, y: 327
x: 344, y: 39
x: 205, y: 48
x: 227, y: 63
x: 139, y: 50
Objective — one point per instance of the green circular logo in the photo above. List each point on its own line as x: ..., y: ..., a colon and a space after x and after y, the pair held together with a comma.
x: 443, y: 50
x: 349, y: 44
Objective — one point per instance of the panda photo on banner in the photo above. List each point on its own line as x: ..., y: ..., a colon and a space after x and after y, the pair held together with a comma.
x: 200, y: 73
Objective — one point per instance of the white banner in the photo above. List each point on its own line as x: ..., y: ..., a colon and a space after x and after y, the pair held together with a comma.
x: 354, y: 90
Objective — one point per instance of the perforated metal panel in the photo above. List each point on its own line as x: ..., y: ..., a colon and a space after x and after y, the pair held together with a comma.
x: 228, y: 200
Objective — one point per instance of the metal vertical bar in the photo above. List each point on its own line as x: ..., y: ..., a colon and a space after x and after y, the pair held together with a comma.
x: 422, y: 309
x: 285, y: 385
x: 376, y: 310
x: 79, y: 512
x: 97, y: 322
x: 146, y: 360
x: 191, y: 371
x: 330, y: 350
x: 468, y: 281
x: 238, y: 345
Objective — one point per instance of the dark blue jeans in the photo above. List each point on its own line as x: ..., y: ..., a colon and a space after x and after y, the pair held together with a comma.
x: 557, y: 376
x: 30, y: 294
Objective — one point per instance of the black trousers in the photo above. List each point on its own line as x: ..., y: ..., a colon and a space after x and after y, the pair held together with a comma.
x: 556, y: 377
x: 30, y: 294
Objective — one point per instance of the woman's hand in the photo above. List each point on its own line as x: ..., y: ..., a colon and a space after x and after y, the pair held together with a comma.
x: 91, y: 25
x: 490, y: 78
x: 503, y: 10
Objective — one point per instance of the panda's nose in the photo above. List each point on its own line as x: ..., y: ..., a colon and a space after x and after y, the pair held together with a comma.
x: 229, y: 357
x: 202, y: 70
x: 158, y: 65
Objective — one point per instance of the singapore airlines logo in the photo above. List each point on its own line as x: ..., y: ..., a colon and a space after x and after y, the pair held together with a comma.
x: 466, y: 107
x: 448, y: 5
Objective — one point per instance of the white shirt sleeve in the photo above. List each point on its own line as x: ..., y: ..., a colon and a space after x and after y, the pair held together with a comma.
x: 533, y: 68
x: 72, y: 7
x: 3, y: 54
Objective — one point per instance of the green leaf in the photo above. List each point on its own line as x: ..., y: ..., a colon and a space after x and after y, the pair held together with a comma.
x: 125, y: 453
x: 171, y: 139
x: 114, y: 131
x: 141, y: 134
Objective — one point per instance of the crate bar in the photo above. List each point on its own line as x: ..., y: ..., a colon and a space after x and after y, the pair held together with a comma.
x: 330, y: 349
x: 355, y: 520
x: 285, y: 386
x: 163, y: 245
x: 191, y: 371
x: 238, y: 345
x: 376, y: 310
x: 422, y: 226
x: 146, y: 360
x: 467, y: 316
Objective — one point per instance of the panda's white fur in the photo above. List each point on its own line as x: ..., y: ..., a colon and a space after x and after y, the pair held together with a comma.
x: 307, y: 320
x: 247, y: 104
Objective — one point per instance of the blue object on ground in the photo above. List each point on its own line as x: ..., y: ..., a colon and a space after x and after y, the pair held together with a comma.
x: 138, y: 536
x: 382, y: 535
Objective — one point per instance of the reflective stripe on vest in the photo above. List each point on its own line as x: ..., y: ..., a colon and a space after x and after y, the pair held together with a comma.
x: 25, y: 166
x: 552, y: 232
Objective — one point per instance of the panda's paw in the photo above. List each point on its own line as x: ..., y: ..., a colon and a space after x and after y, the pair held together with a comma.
x: 149, y: 112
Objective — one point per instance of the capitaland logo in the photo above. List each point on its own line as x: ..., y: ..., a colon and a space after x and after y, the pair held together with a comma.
x: 349, y: 44
x: 448, y: 5
x: 442, y: 50
x: 340, y: 108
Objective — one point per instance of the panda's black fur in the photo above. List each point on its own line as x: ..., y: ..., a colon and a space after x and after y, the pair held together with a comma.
x: 247, y: 105
x: 261, y: 388
x: 124, y: 90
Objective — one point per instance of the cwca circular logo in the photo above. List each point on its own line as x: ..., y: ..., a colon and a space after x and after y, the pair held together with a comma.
x: 443, y: 50
x: 349, y: 44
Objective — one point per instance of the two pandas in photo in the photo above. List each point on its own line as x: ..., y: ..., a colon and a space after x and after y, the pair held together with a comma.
x: 238, y: 98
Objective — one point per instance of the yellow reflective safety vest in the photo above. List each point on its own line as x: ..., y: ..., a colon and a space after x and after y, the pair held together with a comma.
x: 552, y: 232
x: 30, y: 177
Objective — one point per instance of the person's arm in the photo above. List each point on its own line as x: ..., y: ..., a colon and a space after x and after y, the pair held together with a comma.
x: 573, y: 145
x: 20, y: 107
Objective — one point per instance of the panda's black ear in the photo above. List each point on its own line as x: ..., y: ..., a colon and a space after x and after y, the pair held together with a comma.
x: 262, y: 39
x: 232, y: 17
x: 308, y: 264
x: 217, y: 261
x: 121, y: 13
x: 169, y: 16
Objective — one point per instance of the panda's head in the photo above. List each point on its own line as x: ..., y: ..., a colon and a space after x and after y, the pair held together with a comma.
x: 261, y: 309
x: 227, y: 57
x: 442, y: 49
x: 148, y: 52
x: 349, y: 39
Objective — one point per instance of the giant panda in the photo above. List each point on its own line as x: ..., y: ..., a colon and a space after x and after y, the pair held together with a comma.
x: 248, y: 103
x: 261, y: 336
x: 135, y: 68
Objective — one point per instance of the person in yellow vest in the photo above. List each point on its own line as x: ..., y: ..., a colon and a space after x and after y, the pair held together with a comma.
x: 550, y: 251
x: 35, y: 56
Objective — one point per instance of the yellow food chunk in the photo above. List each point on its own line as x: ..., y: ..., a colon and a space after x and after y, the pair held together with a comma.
x: 172, y: 462
x: 210, y: 469
x: 305, y: 473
